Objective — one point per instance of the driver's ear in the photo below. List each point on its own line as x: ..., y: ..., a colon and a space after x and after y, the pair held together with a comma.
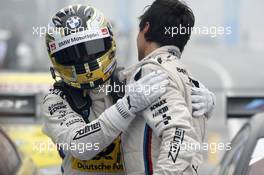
x: 146, y: 28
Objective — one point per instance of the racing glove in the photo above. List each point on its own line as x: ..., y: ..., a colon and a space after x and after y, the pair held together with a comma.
x: 142, y: 93
x: 203, y: 101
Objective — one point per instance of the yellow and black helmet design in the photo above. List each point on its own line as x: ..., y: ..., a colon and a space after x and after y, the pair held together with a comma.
x: 81, y: 46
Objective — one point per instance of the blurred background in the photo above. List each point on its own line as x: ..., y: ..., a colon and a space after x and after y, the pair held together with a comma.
x: 230, y: 64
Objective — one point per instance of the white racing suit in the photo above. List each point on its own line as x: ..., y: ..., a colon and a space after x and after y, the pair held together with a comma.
x: 165, y: 140
x: 94, y: 136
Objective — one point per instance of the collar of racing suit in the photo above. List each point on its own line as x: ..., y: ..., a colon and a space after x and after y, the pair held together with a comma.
x: 164, y: 49
x: 173, y: 50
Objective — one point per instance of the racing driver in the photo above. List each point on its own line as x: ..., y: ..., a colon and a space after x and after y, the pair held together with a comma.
x: 166, y: 138
x: 77, y: 112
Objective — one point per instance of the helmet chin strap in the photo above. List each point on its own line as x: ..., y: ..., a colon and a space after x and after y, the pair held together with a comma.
x: 53, y: 74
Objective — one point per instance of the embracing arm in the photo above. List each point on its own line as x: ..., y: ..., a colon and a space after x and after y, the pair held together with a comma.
x: 64, y: 126
x: 203, y: 101
x: 67, y: 128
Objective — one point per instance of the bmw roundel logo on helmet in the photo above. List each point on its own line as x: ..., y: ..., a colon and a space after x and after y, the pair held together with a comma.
x: 73, y: 22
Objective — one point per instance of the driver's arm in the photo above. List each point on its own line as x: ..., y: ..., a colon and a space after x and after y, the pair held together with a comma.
x: 65, y: 127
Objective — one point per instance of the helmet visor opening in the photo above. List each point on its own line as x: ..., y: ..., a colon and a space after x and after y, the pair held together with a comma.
x: 84, y: 52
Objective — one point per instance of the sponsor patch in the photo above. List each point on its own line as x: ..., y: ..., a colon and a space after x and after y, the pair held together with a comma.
x: 105, y: 31
x: 64, y: 113
x: 73, y: 22
x: 158, y: 104
x: 109, y: 160
x: 87, y: 130
x: 76, y: 38
x: 76, y: 120
x: 55, y: 107
x: 166, y: 119
x: 160, y: 111
x: 175, y: 144
x: 52, y: 46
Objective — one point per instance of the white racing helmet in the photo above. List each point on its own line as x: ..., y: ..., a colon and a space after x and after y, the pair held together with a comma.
x: 81, y: 46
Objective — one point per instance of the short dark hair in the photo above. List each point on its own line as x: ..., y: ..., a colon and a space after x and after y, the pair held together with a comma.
x: 163, y: 14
